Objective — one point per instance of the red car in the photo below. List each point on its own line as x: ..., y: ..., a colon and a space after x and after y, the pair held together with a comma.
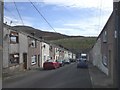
x: 50, y: 64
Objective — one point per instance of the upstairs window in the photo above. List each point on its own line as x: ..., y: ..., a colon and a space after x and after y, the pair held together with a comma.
x: 14, y: 38
x: 33, y: 43
x: 56, y: 50
x: 104, y: 37
x: 51, y: 48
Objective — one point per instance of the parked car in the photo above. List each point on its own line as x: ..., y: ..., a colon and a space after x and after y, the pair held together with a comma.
x: 67, y: 61
x: 61, y: 62
x: 82, y: 64
x: 50, y: 64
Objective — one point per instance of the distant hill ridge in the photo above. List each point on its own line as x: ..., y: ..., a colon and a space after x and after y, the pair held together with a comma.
x: 44, y: 34
x: 76, y: 44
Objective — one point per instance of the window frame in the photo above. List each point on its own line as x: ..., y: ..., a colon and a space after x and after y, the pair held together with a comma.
x: 34, y: 43
x: 105, y: 37
x: 34, y: 62
x: 12, y: 58
x: 14, y: 35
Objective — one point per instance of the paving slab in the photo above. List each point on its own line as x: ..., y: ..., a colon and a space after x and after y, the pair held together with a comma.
x: 98, y: 78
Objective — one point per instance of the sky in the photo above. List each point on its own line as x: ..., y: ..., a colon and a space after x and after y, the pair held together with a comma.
x: 69, y: 17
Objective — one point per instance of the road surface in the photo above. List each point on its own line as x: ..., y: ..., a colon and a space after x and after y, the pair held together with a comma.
x: 68, y: 76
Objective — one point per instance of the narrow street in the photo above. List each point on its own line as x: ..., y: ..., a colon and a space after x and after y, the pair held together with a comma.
x: 68, y: 76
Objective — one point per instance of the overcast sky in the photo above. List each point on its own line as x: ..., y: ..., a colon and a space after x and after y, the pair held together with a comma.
x: 70, y: 17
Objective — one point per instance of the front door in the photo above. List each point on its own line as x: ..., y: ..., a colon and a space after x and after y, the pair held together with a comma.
x: 25, y: 60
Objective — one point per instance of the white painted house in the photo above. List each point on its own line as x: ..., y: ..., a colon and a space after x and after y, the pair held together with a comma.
x: 45, y: 54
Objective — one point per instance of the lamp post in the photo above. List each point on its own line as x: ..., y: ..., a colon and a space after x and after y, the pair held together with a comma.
x: 116, y: 9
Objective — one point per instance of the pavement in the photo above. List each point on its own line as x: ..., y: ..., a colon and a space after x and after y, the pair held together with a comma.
x: 18, y: 74
x: 98, y: 78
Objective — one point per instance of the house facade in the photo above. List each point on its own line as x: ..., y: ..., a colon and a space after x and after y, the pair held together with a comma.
x: 73, y: 56
x: 34, y: 52
x: 61, y: 53
x: 45, y: 54
x: 52, y: 51
x: 56, y: 52
x: 103, y: 53
x: 66, y: 52
x: 14, y: 46
x: 23, y: 51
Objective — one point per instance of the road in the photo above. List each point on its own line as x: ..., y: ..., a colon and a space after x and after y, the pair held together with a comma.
x: 67, y: 76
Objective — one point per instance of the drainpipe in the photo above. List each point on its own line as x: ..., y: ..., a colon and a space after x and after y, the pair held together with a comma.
x: 116, y: 9
x: 1, y: 41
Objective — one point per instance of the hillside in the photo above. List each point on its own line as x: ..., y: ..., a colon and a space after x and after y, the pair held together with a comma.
x: 73, y: 43
x: 44, y: 34
x: 77, y: 45
x: 40, y: 33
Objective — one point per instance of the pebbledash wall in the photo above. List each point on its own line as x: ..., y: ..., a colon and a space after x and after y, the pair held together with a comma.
x: 11, y: 50
x: 102, y: 54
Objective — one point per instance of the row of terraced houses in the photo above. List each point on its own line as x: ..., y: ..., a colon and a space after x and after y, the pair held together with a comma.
x: 25, y: 51
x: 104, y: 53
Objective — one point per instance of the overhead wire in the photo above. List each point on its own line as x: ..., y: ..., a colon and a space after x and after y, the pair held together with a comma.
x: 18, y: 12
x: 42, y: 15
x: 10, y: 12
x: 100, y: 14
x: 14, y: 17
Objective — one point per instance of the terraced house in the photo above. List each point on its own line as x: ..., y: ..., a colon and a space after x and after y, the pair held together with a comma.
x: 15, y: 45
x: 104, y: 53
x: 45, y: 54
x: 22, y: 51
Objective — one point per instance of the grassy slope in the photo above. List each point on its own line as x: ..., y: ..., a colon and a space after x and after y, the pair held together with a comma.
x: 79, y: 44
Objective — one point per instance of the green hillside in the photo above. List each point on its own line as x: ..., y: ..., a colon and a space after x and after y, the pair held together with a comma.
x: 79, y: 44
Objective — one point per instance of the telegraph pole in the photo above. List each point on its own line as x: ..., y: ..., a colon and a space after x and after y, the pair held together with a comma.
x: 1, y: 41
x: 116, y: 9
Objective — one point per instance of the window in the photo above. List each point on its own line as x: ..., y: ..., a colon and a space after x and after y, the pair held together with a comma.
x: 56, y: 50
x: 105, y: 37
x: 44, y: 57
x: 104, y: 61
x: 14, y: 58
x: 51, y: 48
x: 33, y: 43
x: 33, y: 60
x: 14, y: 38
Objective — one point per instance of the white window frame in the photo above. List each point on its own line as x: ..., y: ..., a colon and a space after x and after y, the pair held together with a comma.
x: 105, y: 37
x: 33, y: 60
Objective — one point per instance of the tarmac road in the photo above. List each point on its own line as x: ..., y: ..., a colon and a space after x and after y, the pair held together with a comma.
x: 68, y: 76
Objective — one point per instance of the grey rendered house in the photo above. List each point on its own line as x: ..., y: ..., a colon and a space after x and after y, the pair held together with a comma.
x: 103, y: 53
x: 15, y: 46
x: 20, y: 50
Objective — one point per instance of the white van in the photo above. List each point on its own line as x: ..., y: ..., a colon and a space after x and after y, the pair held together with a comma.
x: 84, y: 56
